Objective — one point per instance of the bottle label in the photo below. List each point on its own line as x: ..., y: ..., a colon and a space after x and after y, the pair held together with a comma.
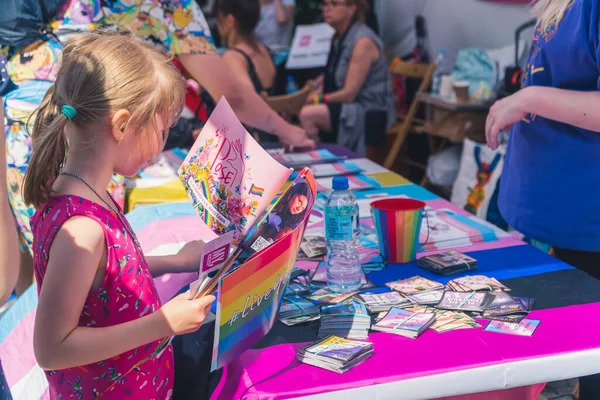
x: 338, y: 228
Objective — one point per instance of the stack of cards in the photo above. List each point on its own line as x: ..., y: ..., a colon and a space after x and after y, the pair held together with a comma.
x: 335, y: 353
x: 313, y: 247
x: 350, y: 321
x: 448, y: 263
x: 474, y: 283
x: 429, y: 298
x: 446, y: 321
x: 473, y: 301
x: 413, y: 285
x: 378, y: 302
x: 405, y: 323
x: 295, y: 288
x: 297, y: 310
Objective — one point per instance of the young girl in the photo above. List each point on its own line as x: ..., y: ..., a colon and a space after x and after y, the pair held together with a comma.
x: 550, y: 190
x: 99, y: 318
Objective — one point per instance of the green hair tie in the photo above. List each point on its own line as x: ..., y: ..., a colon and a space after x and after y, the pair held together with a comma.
x: 68, y: 112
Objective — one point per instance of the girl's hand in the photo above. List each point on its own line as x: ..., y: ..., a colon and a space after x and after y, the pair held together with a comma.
x: 189, y: 255
x: 182, y: 315
x: 297, y: 138
x: 503, y: 115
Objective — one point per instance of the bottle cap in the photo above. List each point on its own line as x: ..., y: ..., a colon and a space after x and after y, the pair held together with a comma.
x: 340, y: 183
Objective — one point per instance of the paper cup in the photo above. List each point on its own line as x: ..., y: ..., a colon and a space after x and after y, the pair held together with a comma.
x: 398, y: 224
x: 461, y: 89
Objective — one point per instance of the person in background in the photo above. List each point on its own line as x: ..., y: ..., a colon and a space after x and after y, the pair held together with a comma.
x: 249, y: 59
x: 9, y: 245
x: 355, y: 92
x: 276, y: 22
x: 550, y: 189
x: 178, y: 27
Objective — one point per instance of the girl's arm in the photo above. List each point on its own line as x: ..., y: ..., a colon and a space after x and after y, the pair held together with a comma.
x: 186, y: 260
x: 571, y: 107
x: 283, y: 13
x: 365, y: 53
x: 9, y: 244
x: 76, y: 253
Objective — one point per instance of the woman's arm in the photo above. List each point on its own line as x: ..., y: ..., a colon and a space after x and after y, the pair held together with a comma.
x: 213, y: 74
x: 75, y: 255
x: 283, y: 13
x: 365, y: 53
x: 9, y: 244
x: 571, y: 107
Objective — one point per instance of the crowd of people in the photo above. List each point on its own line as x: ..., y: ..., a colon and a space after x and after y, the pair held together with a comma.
x: 108, y: 92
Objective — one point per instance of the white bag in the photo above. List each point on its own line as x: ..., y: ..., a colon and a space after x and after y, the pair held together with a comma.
x: 443, y: 167
x: 477, y: 182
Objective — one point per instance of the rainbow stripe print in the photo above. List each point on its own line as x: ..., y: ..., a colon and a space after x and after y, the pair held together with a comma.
x: 200, y: 194
x: 398, y: 233
x: 248, y: 299
x: 255, y: 190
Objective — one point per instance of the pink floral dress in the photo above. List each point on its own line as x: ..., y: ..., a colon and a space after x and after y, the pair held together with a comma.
x: 127, y: 293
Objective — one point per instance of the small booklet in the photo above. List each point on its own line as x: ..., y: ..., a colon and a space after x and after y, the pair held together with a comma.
x: 524, y: 328
x: 405, y: 323
x: 473, y: 301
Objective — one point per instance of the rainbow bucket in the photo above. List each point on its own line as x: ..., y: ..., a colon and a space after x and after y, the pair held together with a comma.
x: 398, y: 224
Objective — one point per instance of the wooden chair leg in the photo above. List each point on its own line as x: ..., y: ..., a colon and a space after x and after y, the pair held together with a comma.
x: 398, y: 142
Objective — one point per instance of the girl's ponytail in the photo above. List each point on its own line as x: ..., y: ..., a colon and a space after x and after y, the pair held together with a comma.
x: 49, y: 151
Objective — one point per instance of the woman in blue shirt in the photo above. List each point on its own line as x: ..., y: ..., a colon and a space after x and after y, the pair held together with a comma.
x: 550, y: 188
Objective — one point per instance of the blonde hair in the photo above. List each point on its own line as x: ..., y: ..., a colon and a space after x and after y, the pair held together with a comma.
x: 101, y: 72
x: 549, y: 12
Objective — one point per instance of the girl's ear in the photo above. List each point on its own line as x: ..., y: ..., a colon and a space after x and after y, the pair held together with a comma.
x: 119, y: 121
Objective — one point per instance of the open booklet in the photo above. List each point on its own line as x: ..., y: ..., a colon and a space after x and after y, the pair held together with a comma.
x: 234, y: 184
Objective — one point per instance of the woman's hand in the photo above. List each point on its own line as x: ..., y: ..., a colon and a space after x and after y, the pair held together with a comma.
x: 296, y: 138
x: 503, y: 115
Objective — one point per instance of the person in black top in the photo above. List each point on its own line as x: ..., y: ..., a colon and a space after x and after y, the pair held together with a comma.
x: 236, y: 20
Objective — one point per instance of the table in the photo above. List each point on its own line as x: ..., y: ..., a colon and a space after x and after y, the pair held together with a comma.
x: 434, y: 365
x: 453, y: 121
x: 565, y: 345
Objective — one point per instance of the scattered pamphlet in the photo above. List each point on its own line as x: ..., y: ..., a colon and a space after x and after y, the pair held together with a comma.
x: 430, y: 297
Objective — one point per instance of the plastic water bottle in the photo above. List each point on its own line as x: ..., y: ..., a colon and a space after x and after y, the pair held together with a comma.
x: 344, y: 272
x: 437, y: 74
x: 290, y: 87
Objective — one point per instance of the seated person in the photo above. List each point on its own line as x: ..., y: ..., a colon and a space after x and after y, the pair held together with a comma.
x: 276, y: 22
x: 247, y: 57
x: 355, y: 98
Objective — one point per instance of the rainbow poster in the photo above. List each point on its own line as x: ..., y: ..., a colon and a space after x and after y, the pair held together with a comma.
x: 228, y: 177
x: 248, y: 298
